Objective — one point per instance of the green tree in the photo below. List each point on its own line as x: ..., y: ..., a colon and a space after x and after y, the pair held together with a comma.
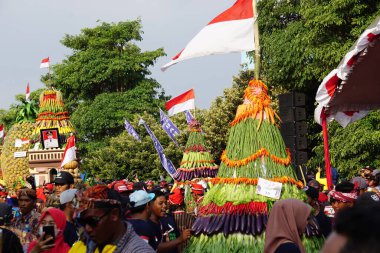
x: 104, y: 116
x: 104, y: 59
x: 124, y: 156
x: 302, y: 41
x: 353, y: 147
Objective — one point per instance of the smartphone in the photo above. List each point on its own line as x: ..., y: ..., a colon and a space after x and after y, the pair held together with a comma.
x: 49, y: 232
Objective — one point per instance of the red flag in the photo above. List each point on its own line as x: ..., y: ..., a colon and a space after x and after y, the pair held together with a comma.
x: 231, y: 31
x: 45, y: 63
x: 70, y: 151
x: 183, y: 102
x: 1, y: 131
x: 27, y: 94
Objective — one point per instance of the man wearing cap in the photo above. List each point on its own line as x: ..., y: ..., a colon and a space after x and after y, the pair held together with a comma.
x: 102, y: 221
x: 139, y: 216
x: 63, y: 181
x: 68, y: 205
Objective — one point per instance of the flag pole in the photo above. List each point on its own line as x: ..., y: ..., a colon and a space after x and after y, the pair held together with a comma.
x: 256, y: 41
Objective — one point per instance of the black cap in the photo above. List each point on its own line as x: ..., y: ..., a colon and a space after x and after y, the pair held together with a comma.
x: 64, y: 177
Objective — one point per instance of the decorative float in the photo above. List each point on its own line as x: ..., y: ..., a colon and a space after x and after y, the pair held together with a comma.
x: 255, y: 171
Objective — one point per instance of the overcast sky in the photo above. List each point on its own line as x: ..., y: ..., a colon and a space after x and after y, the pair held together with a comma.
x: 31, y: 30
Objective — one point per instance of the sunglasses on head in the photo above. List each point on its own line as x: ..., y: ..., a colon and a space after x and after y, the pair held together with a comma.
x: 92, y: 221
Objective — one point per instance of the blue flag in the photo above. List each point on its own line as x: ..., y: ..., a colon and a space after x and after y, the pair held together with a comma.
x: 189, y: 117
x: 166, y: 163
x: 131, y: 130
x: 168, y: 126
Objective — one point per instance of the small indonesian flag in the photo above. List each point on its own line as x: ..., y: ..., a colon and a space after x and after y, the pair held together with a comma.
x: 231, y: 31
x: 70, y: 151
x: 24, y: 141
x: 1, y: 131
x: 183, y: 102
x: 45, y: 63
x: 20, y: 142
x: 27, y: 93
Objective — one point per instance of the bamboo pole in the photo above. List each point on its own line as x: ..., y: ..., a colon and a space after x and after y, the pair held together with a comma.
x: 256, y: 41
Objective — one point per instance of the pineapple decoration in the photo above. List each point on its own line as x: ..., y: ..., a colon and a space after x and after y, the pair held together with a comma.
x: 232, y: 217
x: 52, y: 115
x: 197, y: 161
x: 15, y: 169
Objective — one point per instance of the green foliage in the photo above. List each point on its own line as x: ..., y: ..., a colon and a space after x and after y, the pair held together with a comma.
x: 21, y: 110
x: 123, y: 156
x: 104, y: 59
x: 27, y: 112
x: 301, y: 42
x: 353, y: 147
x: 104, y: 116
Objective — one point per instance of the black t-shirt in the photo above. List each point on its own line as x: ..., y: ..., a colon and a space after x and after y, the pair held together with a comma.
x: 324, y: 223
x: 145, y: 231
x: 288, y: 247
x: 70, y: 233
x: 166, y: 230
x: 11, y: 243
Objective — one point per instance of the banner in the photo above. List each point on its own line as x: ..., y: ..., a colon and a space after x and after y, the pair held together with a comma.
x: 189, y: 116
x: 131, y: 130
x: 169, y: 126
x: 166, y: 163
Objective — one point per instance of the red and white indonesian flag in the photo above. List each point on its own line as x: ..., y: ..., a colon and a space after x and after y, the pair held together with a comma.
x: 27, y: 93
x: 70, y: 151
x: 183, y: 102
x: 45, y: 63
x: 231, y: 31
x: 1, y: 131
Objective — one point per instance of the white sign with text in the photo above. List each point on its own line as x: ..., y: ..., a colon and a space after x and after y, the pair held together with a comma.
x: 268, y: 188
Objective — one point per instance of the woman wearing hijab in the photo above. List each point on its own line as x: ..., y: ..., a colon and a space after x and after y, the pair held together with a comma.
x: 51, y: 217
x: 287, y: 220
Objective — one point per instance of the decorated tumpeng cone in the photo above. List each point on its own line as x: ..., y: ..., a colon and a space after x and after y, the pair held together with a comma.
x: 197, y: 161
x: 233, y: 214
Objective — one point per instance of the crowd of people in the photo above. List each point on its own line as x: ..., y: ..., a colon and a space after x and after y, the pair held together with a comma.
x: 143, y: 217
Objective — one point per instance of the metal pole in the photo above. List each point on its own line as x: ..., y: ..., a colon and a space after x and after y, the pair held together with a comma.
x: 256, y: 41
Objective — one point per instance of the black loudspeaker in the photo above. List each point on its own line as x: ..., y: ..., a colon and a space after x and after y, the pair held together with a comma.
x: 293, y: 129
x: 298, y: 157
x: 292, y: 99
x: 294, y: 142
x: 291, y: 114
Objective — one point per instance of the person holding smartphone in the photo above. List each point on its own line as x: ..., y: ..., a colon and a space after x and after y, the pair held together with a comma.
x: 51, y: 226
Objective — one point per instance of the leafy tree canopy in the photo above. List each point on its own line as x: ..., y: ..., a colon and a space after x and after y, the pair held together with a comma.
x: 124, y: 156
x: 104, y: 59
x: 301, y: 42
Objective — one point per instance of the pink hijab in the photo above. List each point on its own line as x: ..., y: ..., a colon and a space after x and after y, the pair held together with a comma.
x: 60, y: 221
x: 287, y: 220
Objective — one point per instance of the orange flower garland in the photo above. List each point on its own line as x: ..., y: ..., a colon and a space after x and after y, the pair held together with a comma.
x: 243, y: 180
x: 253, y: 181
x: 251, y: 158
